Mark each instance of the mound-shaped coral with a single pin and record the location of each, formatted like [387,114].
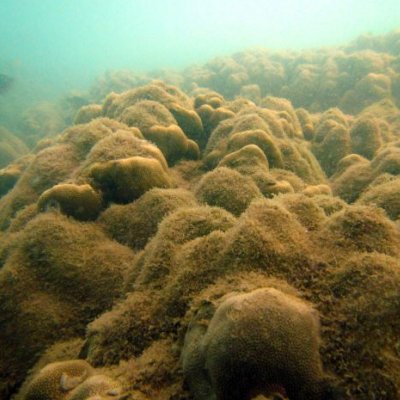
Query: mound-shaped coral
[87,113]
[366,296]
[227,188]
[365,137]
[332,143]
[263,128]
[261,139]
[162,105]
[81,202]
[56,260]
[353,175]
[135,223]
[387,160]
[184,225]
[291,123]
[57,379]
[84,136]
[270,238]
[364,229]
[10,174]
[260,342]
[159,126]
[145,114]
[126,180]
[368,90]
[99,387]
[247,160]
[306,209]
[125,331]
[49,167]
[384,194]
[41,120]
[173,143]
[118,145]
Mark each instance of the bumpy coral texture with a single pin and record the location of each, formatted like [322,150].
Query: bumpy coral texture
[256,343]
[56,379]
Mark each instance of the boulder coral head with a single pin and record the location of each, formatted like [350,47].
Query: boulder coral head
[79,201]
[125,180]
[97,387]
[260,342]
[72,380]
[55,380]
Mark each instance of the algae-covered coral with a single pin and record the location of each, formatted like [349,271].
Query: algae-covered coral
[233,237]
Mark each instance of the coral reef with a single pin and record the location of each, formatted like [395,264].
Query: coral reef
[229,233]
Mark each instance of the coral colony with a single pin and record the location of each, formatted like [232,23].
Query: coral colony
[230,231]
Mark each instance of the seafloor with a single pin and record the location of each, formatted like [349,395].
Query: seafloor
[223,232]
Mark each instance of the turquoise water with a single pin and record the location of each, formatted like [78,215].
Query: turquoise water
[51,46]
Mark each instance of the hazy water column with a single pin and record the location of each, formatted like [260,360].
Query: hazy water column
[56,45]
